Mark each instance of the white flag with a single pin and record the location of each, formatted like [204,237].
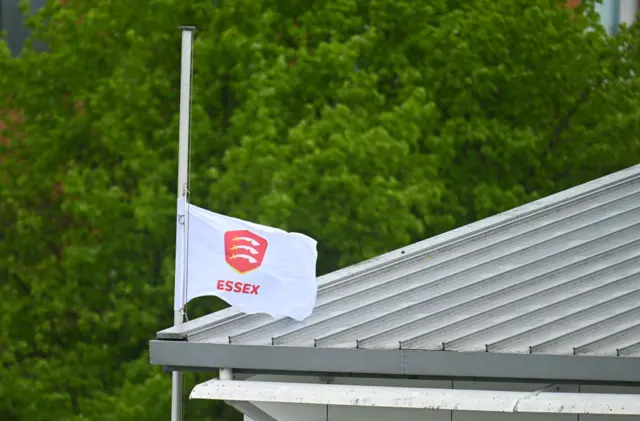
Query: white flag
[254,268]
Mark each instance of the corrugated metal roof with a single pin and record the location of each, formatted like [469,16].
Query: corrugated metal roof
[558,276]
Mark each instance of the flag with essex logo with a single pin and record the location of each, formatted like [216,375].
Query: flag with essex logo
[253,267]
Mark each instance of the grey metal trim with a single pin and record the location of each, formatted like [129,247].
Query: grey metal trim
[480,365]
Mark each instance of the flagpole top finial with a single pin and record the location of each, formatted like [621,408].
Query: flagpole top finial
[187,28]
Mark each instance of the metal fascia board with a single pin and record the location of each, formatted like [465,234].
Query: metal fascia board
[480,365]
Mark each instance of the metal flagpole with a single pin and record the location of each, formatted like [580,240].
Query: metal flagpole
[183,190]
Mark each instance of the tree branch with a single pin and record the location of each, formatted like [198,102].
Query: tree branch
[564,123]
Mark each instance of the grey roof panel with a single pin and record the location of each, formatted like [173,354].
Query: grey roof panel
[557,276]
[632,350]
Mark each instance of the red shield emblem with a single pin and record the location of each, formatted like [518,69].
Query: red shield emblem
[244,250]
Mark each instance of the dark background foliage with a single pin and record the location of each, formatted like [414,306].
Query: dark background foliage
[365,124]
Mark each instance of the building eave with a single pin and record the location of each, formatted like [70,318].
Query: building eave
[186,356]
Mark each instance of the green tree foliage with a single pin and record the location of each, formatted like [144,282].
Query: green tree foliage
[366,124]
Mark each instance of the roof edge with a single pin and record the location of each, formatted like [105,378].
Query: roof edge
[445,364]
[425,246]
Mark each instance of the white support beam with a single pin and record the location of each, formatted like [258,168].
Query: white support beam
[251,411]
[226,374]
[247,408]
[419,398]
